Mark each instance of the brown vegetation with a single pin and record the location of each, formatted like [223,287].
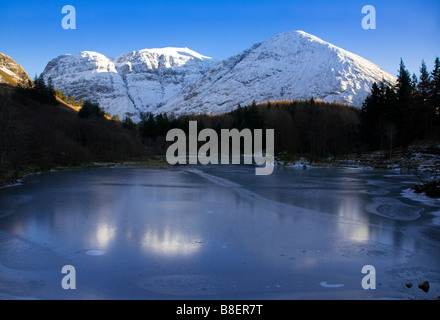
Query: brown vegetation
[314,128]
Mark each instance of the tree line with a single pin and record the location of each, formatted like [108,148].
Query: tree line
[37,132]
[405,113]
[316,128]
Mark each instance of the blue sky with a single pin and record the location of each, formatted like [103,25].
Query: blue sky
[31,32]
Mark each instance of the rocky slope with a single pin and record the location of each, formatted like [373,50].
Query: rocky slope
[11,72]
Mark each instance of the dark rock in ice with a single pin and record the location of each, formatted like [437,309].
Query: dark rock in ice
[424,286]
[409,285]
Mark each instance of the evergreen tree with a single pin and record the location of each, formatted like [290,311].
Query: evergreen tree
[238,118]
[424,110]
[90,109]
[404,87]
[147,126]
[251,116]
[424,83]
[390,107]
[404,121]
[371,113]
[61,95]
[435,96]
[128,123]
[50,85]
[39,82]
[414,82]
[41,92]
[435,83]
[71,100]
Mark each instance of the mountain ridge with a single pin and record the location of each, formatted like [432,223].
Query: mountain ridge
[289,65]
[118,84]
[294,63]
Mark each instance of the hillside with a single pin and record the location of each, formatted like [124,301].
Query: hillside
[40,136]
[11,73]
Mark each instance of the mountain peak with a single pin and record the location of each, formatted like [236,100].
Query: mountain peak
[296,35]
[11,72]
[290,65]
[135,82]
[175,52]
[163,58]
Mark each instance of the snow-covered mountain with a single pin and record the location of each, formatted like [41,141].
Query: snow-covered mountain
[11,72]
[139,81]
[290,65]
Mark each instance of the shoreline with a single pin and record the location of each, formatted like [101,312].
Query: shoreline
[414,160]
[423,165]
[155,162]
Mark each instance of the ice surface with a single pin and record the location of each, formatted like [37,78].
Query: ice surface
[23,254]
[213,232]
[95,252]
[327,285]
[420,197]
[394,209]
[436,220]
[371,249]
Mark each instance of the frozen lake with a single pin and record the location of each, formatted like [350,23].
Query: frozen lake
[217,232]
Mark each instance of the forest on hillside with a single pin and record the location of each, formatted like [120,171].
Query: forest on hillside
[308,127]
[39,132]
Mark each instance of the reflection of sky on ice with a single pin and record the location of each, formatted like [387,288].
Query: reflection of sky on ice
[352,209]
[168,242]
[104,235]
